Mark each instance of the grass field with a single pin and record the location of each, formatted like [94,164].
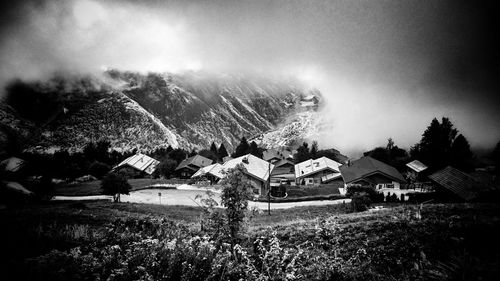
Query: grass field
[127,241]
[94,187]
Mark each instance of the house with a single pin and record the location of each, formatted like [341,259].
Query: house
[257,171]
[211,172]
[369,171]
[284,170]
[309,101]
[138,165]
[311,172]
[191,165]
[274,155]
[453,184]
[271,155]
[12,164]
[416,170]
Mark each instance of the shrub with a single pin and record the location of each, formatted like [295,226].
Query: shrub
[375,196]
[115,184]
[360,202]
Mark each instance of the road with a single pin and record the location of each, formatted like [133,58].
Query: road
[187,197]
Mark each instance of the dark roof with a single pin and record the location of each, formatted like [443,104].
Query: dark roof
[283,162]
[367,166]
[458,182]
[194,162]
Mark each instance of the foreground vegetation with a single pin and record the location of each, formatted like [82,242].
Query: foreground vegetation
[104,241]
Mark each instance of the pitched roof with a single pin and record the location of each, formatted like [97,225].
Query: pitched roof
[458,182]
[214,169]
[140,162]
[283,162]
[255,166]
[198,161]
[271,154]
[366,166]
[12,164]
[416,166]
[310,166]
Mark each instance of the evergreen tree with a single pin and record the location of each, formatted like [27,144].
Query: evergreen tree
[242,148]
[302,154]
[213,148]
[222,152]
[314,150]
[461,156]
[435,146]
[255,150]
[495,155]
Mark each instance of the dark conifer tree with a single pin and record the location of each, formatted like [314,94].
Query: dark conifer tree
[222,152]
[242,148]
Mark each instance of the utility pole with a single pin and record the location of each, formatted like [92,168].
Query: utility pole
[269,189]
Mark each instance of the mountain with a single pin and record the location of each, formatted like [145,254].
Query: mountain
[146,111]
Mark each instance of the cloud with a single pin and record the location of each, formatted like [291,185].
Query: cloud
[386,68]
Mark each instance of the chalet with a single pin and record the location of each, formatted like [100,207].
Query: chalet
[138,166]
[213,173]
[309,101]
[311,172]
[369,171]
[416,170]
[12,164]
[274,155]
[271,155]
[454,185]
[257,171]
[191,165]
[283,171]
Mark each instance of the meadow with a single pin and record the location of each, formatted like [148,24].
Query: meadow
[100,240]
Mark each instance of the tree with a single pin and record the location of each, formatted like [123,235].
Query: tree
[435,146]
[302,154]
[235,195]
[166,168]
[391,154]
[222,152]
[99,169]
[209,154]
[495,154]
[115,184]
[213,148]
[314,150]
[177,154]
[461,156]
[242,148]
[255,150]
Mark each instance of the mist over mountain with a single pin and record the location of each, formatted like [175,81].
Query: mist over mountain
[146,111]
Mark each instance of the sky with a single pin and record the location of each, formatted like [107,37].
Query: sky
[385,68]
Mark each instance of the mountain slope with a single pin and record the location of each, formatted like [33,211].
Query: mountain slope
[187,110]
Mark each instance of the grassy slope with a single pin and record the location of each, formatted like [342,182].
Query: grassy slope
[459,239]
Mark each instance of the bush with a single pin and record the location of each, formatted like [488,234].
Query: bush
[360,202]
[375,196]
[115,184]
